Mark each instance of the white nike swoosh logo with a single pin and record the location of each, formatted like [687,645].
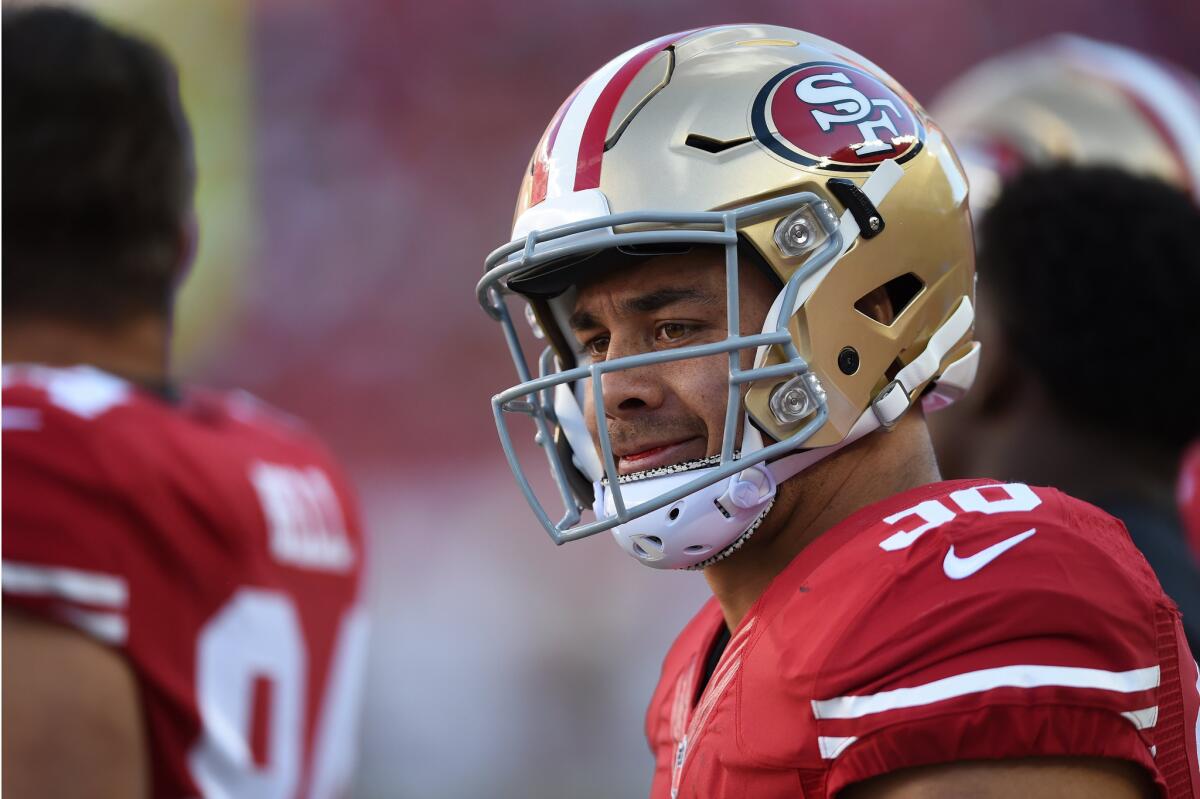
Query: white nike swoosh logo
[957,568]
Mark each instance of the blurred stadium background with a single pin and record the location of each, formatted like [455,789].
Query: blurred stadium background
[357,160]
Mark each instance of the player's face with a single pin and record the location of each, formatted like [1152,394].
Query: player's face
[672,412]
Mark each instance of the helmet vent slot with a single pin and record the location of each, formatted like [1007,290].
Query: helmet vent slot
[711,145]
[648,547]
[885,304]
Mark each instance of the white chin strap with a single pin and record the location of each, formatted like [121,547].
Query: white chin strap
[701,526]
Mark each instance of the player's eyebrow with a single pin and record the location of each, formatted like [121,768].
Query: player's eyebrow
[582,320]
[645,303]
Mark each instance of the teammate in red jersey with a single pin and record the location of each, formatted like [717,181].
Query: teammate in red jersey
[181,570]
[749,253]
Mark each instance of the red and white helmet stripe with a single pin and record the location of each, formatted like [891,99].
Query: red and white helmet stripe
[571,154]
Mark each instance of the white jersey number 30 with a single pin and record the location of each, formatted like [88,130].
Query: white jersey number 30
[934,513]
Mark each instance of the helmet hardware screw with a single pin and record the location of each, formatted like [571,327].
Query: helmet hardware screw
[798,233]
[848,360]
[874,223]
[794,400]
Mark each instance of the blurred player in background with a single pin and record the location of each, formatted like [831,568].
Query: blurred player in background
[1084,175]
[749,252]
[181,569]
[1188,497]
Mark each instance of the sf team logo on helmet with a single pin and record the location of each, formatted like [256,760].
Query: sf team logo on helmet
[834,116]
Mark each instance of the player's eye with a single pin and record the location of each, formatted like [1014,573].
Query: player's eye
[672,331]
[596,347]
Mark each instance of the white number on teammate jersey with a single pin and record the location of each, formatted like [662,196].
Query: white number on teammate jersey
[256,637]
[969,500]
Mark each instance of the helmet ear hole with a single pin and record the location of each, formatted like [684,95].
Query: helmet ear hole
[886,303]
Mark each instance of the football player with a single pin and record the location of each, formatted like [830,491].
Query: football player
[181,569]
[1082,175]
[749,254]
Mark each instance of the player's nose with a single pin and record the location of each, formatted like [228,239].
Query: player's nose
[630,391]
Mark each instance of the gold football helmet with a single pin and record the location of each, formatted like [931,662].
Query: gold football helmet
[773,142]
[1073,99]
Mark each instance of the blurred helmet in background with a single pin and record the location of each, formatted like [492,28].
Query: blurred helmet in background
[1188,496]
[785,149]
[1073,99]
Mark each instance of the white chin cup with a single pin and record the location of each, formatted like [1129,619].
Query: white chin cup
[692,529]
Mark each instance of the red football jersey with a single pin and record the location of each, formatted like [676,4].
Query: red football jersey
[964,620]
[213,543]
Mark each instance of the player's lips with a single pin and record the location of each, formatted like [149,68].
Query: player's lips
[656,455]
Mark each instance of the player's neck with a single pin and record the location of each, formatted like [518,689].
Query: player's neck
[870,470]
[1097,467]
[136,350]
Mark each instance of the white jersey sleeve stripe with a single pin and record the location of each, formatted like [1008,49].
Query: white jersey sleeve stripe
[1143,719]
[110,628]
[74,585]
[832,747]
[973,682]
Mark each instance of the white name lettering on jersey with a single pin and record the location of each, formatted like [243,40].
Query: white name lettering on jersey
[304,519]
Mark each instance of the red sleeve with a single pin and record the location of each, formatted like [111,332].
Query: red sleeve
[1060,644]
[65,527]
